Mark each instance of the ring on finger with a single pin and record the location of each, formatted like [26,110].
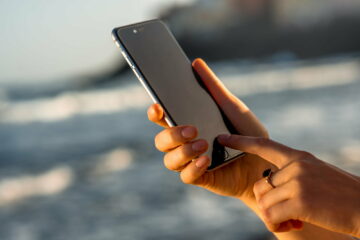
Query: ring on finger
[268,179]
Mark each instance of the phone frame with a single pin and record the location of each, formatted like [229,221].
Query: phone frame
[148,87]
[139,74]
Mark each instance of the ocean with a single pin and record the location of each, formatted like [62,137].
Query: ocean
[82,164]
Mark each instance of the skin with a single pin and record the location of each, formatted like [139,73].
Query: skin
[306,188]
[182,150]
[235,179]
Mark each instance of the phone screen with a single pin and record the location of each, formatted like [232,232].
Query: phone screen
[168,73]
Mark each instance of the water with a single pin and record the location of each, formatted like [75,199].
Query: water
[81,165]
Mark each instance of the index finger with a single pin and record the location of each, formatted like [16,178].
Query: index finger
[156,114]
[274,152]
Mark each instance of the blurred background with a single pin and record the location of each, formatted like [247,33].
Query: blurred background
[76,156]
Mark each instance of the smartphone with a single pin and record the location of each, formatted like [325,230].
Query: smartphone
[166,73]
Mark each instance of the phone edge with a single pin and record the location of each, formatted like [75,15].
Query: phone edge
[138,74]
[148,88]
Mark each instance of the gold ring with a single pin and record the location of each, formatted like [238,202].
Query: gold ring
[268,179]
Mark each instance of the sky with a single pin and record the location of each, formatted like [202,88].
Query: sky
[44,40]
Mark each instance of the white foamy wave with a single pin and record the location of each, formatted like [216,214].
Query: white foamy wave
[134,96]
[19,188]
[114,161]
[298,78]
[351,152]
[74,103]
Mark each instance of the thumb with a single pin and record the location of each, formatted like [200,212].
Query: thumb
[237,112]
[274,152]
[216,88]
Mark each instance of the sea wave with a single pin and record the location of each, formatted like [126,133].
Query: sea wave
[262,79]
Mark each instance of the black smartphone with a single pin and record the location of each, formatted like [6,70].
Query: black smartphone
[168,77]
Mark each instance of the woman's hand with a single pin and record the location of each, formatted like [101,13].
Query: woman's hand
[306,188]
[235,179]
[181,146]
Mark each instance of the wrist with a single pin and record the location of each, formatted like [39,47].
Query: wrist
[355,218]
[356,222]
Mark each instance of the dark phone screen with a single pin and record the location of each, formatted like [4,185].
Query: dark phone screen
[169,73]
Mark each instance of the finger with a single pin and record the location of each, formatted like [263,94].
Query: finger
[274,152]
[176,159]
[156,114]
[285,226]
[195,170]
[171,138]
[277,179]
[275,196]
[297,224]
[279,213]
[238,113]
[282,227]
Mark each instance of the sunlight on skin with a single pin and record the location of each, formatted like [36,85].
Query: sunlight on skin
[52,182]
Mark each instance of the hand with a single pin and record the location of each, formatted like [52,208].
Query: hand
[235,179]
[306,188]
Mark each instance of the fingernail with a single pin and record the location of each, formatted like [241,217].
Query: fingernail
[199,146]
[188,132]
[223,137]
[202,162]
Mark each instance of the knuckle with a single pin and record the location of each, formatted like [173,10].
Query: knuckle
[265,133]
[262,204]
[176,158]
[175,134]
[299,167]
[268,216]
[186,178]
[260,141]
[166,138]
[271,227]
[257,187]
[303,155]
[157,142]
[169,163]
[150,113]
